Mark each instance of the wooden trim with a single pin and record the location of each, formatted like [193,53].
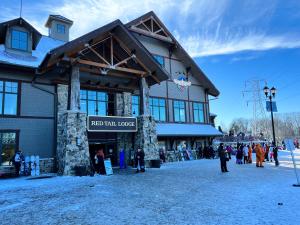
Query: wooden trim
[97,72]
[101,65]
[19,98]
[149,34]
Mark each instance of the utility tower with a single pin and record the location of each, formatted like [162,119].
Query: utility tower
[253,93]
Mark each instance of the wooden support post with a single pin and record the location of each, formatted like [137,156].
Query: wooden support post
[144,97]
[74,89]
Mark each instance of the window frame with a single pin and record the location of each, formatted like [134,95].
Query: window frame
[11,40]
[18,94]
[163,58]
[58,29]
[97,101]
[159,107]
[138,105]
[17,146]
[193,109]
[185,111]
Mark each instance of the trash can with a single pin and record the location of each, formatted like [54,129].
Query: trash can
[155,163]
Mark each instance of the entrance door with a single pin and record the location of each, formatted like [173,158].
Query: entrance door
[109,149]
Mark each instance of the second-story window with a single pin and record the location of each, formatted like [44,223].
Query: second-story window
[61,28]
[93,102]
[19,40]
[179,111]
[160,59]
[198,109]
[135,105]
[158,108]
[8,98]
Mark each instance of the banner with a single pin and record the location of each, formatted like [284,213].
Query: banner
[111,124]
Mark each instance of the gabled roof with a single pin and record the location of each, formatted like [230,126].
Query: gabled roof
[58,17]
[117,28]
[183,55]
[36,36]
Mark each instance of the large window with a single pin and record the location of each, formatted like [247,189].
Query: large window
[94,102]
[135,105]
[158,108]
[60,28]
[198,109]
[8,97]
[8,146]
[19,40]
[160,59]
[179,111]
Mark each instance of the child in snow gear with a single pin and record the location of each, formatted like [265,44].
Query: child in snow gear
[139,160]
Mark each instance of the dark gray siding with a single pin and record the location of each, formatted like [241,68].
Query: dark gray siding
[36,135]
[35,102]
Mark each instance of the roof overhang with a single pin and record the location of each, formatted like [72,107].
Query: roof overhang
[116,28]
[186,130]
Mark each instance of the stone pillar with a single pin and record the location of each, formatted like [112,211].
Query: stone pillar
[146,137]
[123,108]
[72,142]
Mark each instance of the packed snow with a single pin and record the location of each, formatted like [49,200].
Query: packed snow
[190,192]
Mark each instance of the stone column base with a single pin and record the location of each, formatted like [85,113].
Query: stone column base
[72,143]
[146,138]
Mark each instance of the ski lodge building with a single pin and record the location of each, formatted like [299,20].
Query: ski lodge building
[119,87]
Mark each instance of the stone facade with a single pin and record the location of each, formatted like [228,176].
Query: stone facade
[47,165]
[146,137]
[72,142]
[123,108]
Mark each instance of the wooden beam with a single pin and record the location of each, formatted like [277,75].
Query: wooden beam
[117,68]
[111,51]
[109,73]
[149,34]
[100,56]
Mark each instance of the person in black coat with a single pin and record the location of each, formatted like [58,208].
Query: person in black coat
[223,158]
[275,155]
[139,160]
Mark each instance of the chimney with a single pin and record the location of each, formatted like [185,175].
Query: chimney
[59,27]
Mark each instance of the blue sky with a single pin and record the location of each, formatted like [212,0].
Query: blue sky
[232,40]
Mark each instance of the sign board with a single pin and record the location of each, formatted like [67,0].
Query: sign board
[289,144]
[274,106]
[108,167]
[111,124]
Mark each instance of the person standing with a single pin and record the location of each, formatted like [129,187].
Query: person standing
[99,162]
[245,151]
[249,154]
[239,154]
[267,153]
[139,160]
[275,155]
[17,161]
[259,155]
[223,158]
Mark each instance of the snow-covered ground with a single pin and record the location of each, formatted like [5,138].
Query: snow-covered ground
[193,192]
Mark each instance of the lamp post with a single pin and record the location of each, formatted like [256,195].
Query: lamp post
[270,94]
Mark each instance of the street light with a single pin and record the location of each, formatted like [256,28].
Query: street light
[270,93]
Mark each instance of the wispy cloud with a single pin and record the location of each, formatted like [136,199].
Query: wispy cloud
[205,28]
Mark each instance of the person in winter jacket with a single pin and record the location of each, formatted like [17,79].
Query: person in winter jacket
[249,154]
[267,153]
[99,162]
[139,160]
[259,155]
[223,158]
[245,151]
[239,155]
[275,154]
[17,161]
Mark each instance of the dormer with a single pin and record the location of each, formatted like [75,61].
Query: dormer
[19,36]
[59,27]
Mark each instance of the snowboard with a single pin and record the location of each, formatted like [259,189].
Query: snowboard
[27,165]
[32,165]
[37,165]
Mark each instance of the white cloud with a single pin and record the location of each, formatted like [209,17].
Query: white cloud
[205,28]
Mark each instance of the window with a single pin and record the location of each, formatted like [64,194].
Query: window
[8,97]
[198,109]
[135,105]
[8,146]
[158,108]
[179,111]
[19,40]
[60,28]
[160,59]
[94,102]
